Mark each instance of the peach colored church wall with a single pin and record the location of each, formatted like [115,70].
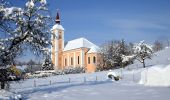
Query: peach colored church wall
[91,66]
[77,52]
[71,54]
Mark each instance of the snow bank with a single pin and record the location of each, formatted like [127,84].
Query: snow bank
[6,95]
[156,76]
[40,74]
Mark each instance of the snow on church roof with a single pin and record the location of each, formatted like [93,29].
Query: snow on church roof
[94,49]
[57,26]
[79,43]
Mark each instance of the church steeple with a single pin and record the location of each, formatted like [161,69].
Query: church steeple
[57,20]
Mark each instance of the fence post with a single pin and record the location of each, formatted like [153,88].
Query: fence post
[96,79]
[121,73]
[69,80]
[34,83]
[146,75]
[84,79]
[50,82]
[133,76]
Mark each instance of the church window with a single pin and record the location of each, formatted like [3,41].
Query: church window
[71,60]
[94,59]
[88,60]
[78,60]
[65,62]
[60,37]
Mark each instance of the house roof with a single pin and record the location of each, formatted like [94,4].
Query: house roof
[79,43]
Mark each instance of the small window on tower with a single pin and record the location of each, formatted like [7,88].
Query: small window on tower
[60,37]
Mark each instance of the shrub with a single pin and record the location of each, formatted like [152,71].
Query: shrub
[113,75]
[74,70]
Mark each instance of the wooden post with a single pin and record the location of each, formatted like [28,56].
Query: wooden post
[69,80]
[84,79]
[34,83]
[96,79]
[121,72]
[133,76]
[50,82]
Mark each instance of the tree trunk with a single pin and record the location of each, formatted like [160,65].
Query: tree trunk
[2,85]
[143,63]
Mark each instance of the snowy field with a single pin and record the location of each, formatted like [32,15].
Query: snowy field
[96,86]
[90,89]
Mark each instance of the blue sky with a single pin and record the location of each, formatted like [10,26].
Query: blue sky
[104,20]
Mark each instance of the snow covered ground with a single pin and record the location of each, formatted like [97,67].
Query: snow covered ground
[158,75]
[96,86]
[89,89]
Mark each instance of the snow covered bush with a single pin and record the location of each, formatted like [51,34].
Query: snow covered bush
[41,74]
[143,51]
[74,70]
[113,55]
[23,28]
[113,75]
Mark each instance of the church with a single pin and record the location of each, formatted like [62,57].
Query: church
[79,52]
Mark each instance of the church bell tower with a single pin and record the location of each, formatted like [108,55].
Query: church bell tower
[57,39]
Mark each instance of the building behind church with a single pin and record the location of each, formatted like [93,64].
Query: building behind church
[76,53]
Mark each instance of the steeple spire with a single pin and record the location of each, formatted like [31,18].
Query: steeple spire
[57,20]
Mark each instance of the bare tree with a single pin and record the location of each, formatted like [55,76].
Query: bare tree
[142,52]
[112,54]
[157,46]
[23,28]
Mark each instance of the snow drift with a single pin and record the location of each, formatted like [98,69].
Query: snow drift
[6,95]
[158,75]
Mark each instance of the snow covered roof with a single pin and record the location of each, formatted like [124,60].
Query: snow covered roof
[57,26]
[79,43]
[94,49]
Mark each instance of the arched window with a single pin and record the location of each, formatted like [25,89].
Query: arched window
[88,60]
[71,60]
[94,59]
[65,62]
[78,60]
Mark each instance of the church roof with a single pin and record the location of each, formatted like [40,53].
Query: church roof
[94,49]
[79,43]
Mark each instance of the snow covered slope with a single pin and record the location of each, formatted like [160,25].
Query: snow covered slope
[160,58]
[88,87]
[158,75]
[96,86]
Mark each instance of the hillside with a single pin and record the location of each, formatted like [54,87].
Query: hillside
[96,86]
[159,58]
